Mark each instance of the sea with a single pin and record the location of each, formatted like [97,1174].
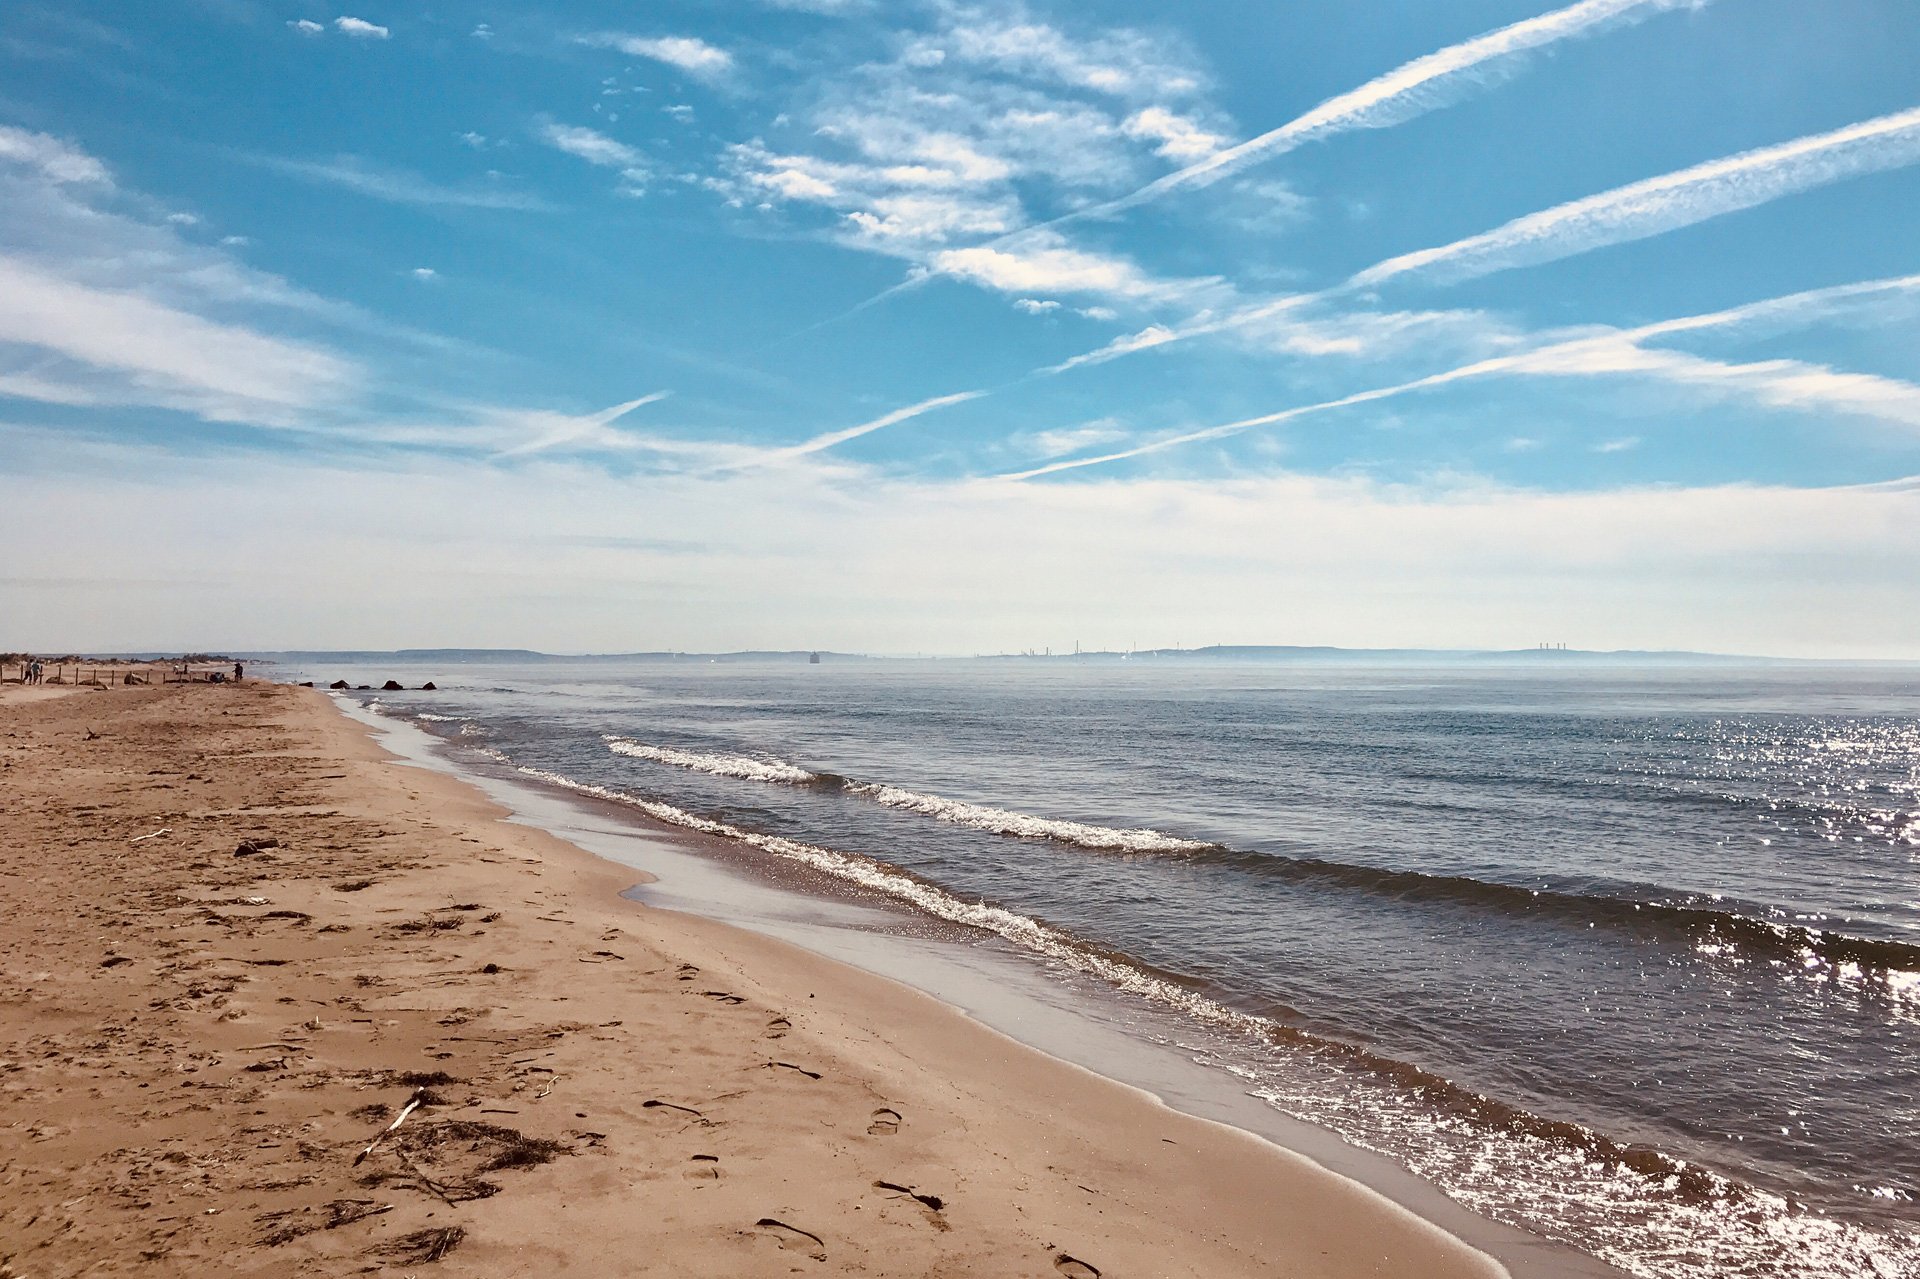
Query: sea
[1627,959]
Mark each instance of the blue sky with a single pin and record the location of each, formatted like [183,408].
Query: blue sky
[954,327]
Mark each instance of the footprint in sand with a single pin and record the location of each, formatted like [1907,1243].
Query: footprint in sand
[669,1109]
[778,1027]
[884,1123]
[702,1168]
[787,1065]
[1074,1268]
[686,972]
[723,997]
[930,1204]
[794,1238]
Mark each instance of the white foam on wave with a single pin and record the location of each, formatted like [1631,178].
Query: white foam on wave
[1603,1192]
[878,876]
[744,767]
[1003,821]
[432,718]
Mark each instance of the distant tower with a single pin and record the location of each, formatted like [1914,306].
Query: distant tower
[813,659]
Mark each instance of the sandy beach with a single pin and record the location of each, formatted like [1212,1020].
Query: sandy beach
[242,940]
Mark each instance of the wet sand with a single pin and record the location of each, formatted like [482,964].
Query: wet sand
[202,1030]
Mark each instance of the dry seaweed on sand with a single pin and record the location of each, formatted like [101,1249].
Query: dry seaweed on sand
[492,1146]
[289,1224]
[423,1246]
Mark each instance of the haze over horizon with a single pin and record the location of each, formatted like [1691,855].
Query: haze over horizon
[961,327]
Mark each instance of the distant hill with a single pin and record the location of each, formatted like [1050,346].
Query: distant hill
[1242,654]
[458,656]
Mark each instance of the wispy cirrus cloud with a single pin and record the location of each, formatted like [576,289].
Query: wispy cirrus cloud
[119,347]
[598,149]
[1784,384]
[398,186]
[689,53]
[820,443]
[550,430]
[1666,203]
[104,303]
[1636,211]
[1412,89]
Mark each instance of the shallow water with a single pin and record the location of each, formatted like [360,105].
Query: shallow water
[1630,960]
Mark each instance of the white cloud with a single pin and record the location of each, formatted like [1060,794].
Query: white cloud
[899,209]
[916,219]
[1071,439]
[1119,62]
[1047,265]
[483,32]
[1035,306]
[115,346]
[964,130]
[1619,445]
[424,273]
[575,563]
[1668,202]
[307,27]
[598,149]
[360,29]
[51,158]
[694,56]
[1180,138]
[593,147]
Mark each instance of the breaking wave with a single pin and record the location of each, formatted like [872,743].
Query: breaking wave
[1450,1132]
[1705,924]
[997,821]
[1002,821]
[745,767]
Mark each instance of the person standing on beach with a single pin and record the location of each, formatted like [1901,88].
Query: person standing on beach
[237,672]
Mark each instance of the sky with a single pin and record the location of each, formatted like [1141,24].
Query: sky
[932,326]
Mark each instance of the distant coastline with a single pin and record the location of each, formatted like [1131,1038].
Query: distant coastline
[1241,654]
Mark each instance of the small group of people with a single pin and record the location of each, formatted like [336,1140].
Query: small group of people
[31,671]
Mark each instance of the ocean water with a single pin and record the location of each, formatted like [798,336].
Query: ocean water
[1628,959]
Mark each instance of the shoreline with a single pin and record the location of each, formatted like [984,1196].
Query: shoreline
[846,1123]
[1067,1017]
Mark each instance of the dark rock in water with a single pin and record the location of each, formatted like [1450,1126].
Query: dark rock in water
[306,683]
[392,686]
[364,688]
[429,687]
[339,683]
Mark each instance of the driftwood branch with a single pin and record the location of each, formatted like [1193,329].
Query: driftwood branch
[413,1103]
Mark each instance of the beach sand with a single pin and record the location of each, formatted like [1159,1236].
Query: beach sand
[240,938]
